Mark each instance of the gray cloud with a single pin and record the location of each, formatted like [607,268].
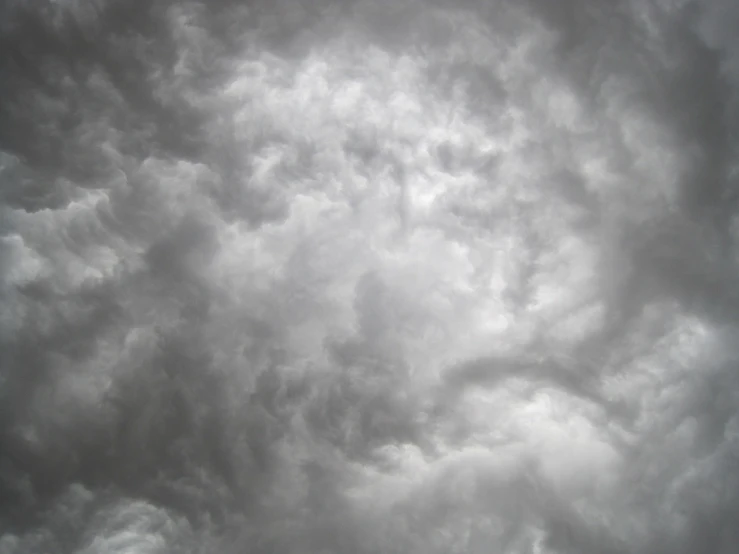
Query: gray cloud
[370,277]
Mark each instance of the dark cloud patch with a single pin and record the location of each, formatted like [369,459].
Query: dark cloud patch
[690,95]
[90,74]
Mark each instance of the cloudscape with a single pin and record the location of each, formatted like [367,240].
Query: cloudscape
[369,276]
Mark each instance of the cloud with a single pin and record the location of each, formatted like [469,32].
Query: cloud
[368,277]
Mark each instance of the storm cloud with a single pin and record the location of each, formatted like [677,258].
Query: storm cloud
[369,276]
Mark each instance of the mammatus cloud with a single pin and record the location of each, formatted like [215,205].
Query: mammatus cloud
[368,277]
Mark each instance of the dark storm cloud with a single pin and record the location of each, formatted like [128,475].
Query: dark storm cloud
[368,276]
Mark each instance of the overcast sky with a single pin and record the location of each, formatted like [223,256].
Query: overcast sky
[370,276]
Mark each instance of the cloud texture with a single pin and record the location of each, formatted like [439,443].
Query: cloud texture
[369,276]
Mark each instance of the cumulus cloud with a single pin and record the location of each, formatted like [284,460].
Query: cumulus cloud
[364,276]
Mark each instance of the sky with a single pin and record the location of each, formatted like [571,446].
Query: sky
[369,276]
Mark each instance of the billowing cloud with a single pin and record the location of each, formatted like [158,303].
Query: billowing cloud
[368,277]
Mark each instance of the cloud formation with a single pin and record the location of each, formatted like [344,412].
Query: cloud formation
[381,277]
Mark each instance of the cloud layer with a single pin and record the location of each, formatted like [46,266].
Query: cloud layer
[368,277]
